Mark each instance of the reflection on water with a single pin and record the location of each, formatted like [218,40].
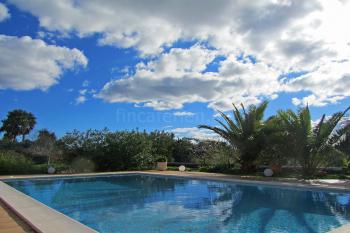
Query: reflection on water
[142,203]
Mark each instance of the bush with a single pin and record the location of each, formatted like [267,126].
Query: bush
[125,150]
[218,168]
[210,153]
[183,150]
[162,144]
[109,151]
[15,163]
[18,147]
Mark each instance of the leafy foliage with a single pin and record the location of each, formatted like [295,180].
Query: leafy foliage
[211,153]
[162,144]
[183,150]
[288,138]
[313,146]
[244,133]
[18,122]
[45,145]
[121,150]
[15,163]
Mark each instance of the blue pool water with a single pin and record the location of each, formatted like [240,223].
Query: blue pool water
[145,203]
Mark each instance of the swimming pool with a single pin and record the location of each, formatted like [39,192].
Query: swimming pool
[149,203]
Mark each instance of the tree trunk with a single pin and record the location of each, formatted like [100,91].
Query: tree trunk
[23,137]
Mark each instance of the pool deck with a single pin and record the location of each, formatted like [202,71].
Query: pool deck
[10,223]
[42,218]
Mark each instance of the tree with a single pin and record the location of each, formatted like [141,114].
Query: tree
[211,152]
[162,144]
[277,148]
[45,145]
[313,146]
[244,133]
[18,122]
[44,134]
[183,150]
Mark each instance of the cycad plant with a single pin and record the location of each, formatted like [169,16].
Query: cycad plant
[244,133]
[313,146]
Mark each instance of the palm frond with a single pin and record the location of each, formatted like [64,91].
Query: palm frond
[238,117]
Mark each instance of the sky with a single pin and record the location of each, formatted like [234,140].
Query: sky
[170,65]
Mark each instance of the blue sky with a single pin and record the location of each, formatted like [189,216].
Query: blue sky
[161,66]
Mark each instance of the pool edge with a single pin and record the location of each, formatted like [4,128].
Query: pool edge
[230,178]
[200,175]
[37,215]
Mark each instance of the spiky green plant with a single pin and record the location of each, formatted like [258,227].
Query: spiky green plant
[244,133]
[313,146]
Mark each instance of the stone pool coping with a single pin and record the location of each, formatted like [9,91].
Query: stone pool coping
[38,216]
[45,219]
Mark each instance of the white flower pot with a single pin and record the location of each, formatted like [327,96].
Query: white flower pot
[182,168]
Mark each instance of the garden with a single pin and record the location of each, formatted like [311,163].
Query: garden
[289,143]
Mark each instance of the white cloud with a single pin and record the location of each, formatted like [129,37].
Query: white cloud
[184,114]
[282,35]
[80,100]
[4,12]
[194,132]
[342,123]
[84,94]
[170,82]
[221,22]
[328,85]
[27,63]
[83,91]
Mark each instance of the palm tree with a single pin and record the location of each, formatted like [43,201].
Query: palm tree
[18,122]
[313,146]
[244,133]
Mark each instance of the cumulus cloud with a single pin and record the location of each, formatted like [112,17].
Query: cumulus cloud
[328,85]
[4,12]
[282,35]
[229,25]
[170,82]
[27,64]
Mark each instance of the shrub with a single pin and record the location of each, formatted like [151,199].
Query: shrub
[126,150]
[209,153]
[183,150]
[161,159]
[162,144]
[107,151]
[15,163]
